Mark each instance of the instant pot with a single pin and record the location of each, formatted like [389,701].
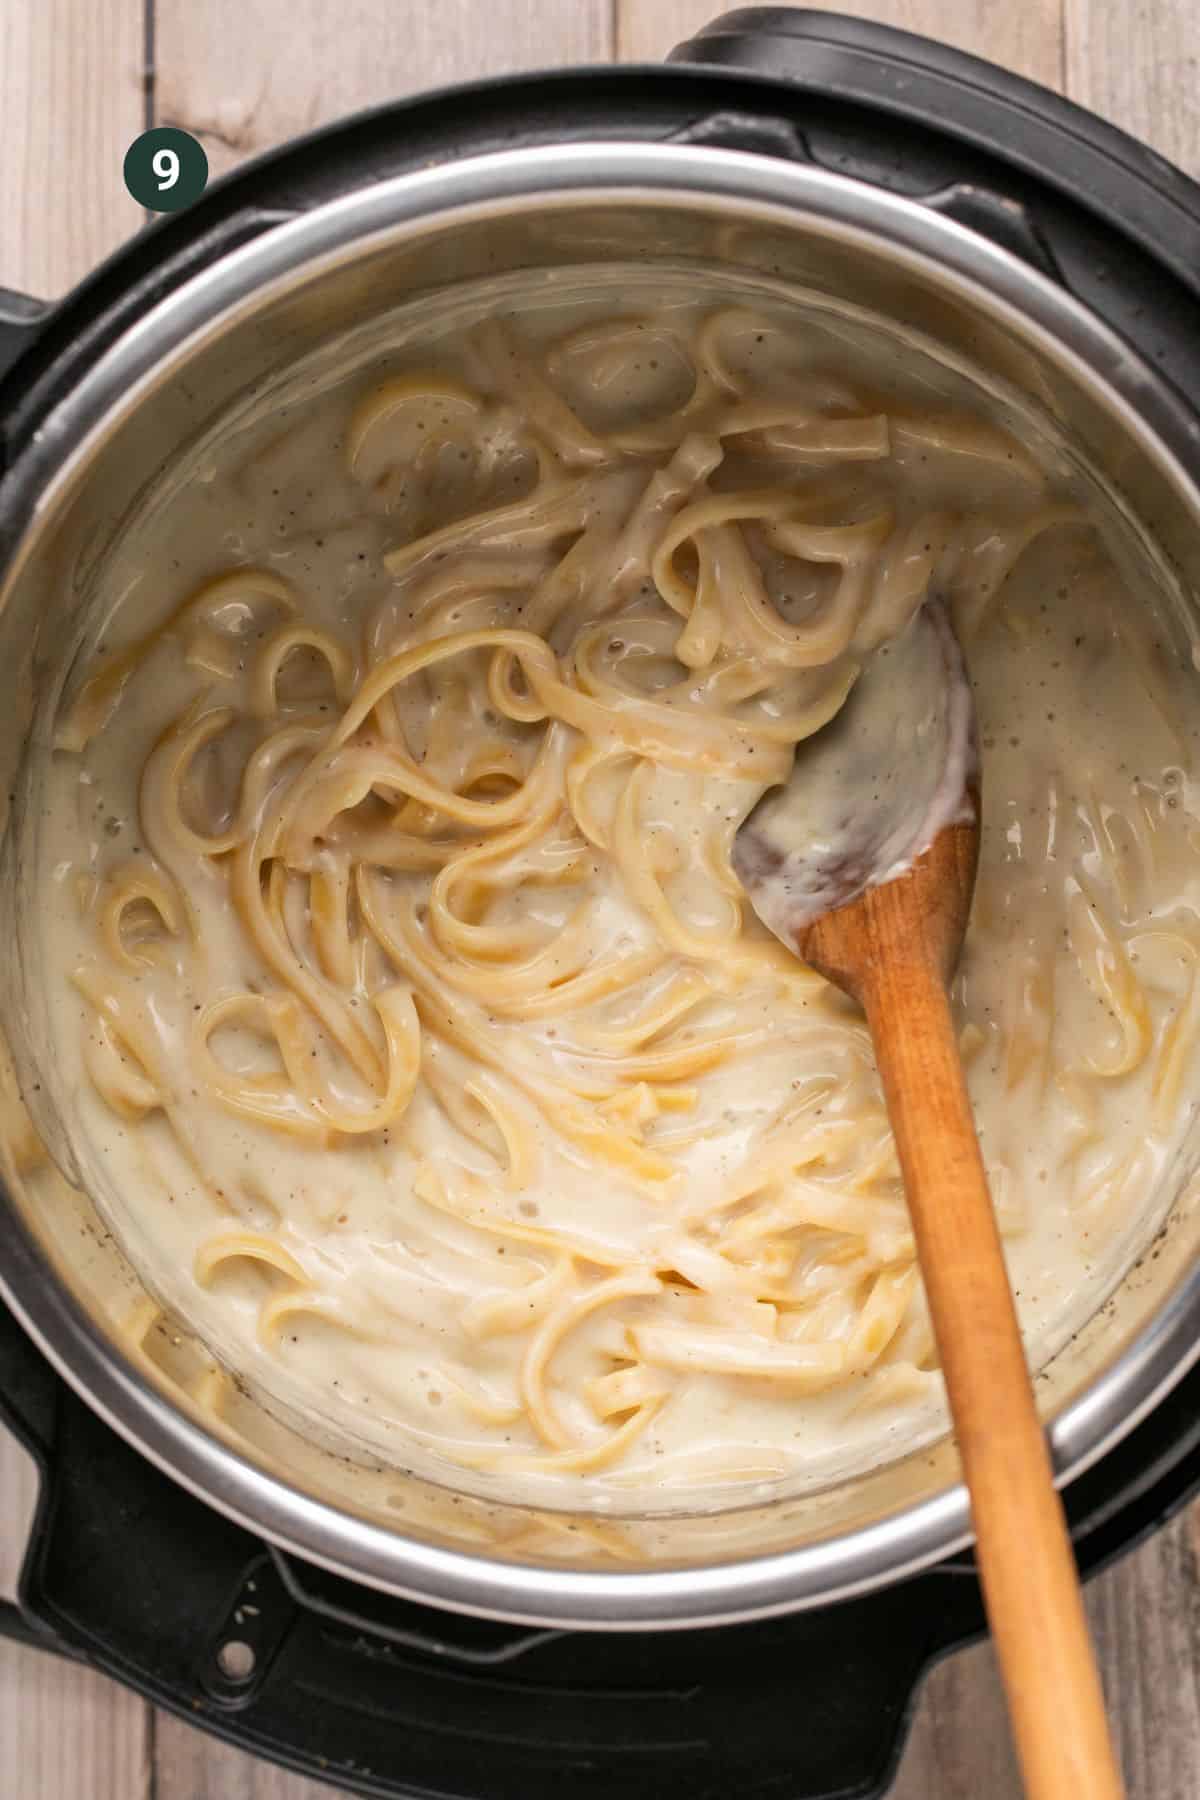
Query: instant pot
[360,1623]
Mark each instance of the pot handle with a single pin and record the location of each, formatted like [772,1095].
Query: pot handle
[29,1388]
[21,319]
[940,90]
[29,1391]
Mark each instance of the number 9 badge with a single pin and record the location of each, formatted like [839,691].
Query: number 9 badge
[166,169]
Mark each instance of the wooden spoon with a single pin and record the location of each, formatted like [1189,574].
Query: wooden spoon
[864,864]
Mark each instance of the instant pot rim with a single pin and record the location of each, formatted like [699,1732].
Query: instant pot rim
[747,187]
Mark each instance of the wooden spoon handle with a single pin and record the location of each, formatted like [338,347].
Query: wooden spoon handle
[1026,1563]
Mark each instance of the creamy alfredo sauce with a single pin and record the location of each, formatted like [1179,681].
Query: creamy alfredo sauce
[406,1017]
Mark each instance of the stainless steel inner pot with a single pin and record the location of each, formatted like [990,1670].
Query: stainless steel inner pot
[239,324]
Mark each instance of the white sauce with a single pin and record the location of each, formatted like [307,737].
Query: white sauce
[1077,991]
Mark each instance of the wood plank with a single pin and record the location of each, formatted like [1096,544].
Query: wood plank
[18,1495]
[1144,1613]
[67,1733]
[1143,1616]
[1139,65]
[960,1737]
[1026,36]
[63,206]
[189,1765]
[245,77]
[64,131]
[64,1732]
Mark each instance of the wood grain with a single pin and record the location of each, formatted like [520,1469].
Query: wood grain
[1138,64]
[65,1733]
[1145,1616]
[251,72]
[189,1765]
[242,79]
[960,1746]
[73,99]
[18,1496]
[1135,63]
[63,207]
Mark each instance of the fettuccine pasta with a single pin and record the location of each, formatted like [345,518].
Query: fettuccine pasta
[419,1032]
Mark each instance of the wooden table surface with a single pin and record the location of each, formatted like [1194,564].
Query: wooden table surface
[78,80]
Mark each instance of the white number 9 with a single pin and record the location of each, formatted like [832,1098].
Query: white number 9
[165,164]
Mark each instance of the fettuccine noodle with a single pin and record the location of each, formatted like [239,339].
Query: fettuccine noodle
[420,1016]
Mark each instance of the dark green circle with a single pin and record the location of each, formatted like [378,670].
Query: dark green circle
[190,169]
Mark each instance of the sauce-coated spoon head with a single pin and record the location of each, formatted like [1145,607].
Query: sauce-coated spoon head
[885,794]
